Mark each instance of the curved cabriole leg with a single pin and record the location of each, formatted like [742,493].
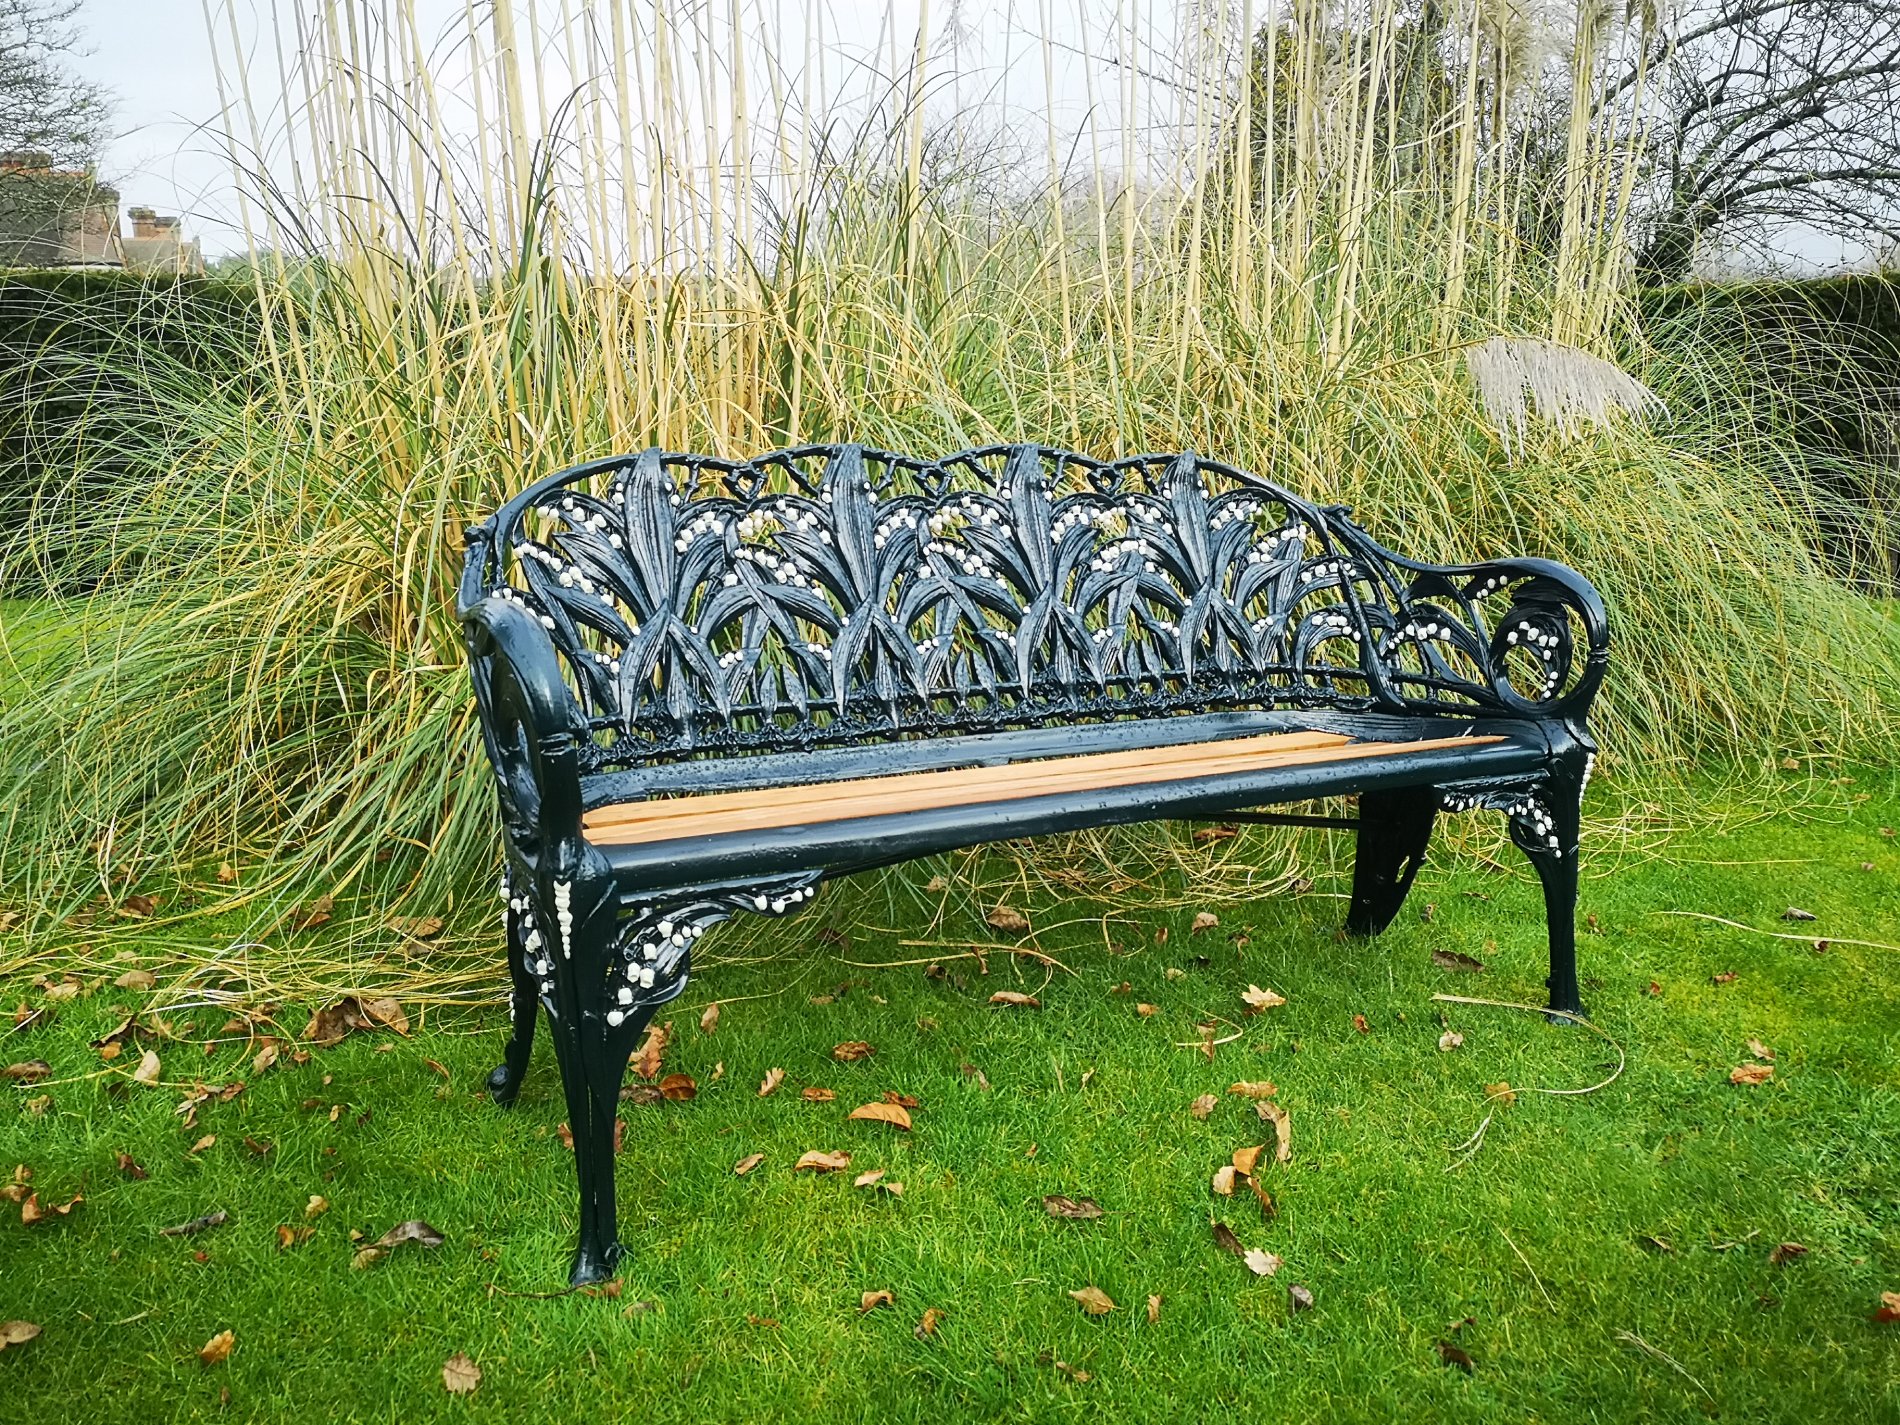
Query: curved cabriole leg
[525,1003]
[1394,827]
[603,970]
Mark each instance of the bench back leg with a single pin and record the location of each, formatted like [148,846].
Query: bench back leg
[524,1002]
[1394,827]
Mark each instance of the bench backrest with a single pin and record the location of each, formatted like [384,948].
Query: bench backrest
[833,594]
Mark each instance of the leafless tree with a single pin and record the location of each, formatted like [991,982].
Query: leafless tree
[44,107]
[1761,114]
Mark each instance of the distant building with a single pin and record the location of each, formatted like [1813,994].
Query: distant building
[64,218]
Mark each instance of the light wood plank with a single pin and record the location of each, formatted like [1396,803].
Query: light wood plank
[727,812]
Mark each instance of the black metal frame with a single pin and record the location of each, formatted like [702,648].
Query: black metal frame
[659,624]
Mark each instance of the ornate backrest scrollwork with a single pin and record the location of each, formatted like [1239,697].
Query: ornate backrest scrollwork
[835,593]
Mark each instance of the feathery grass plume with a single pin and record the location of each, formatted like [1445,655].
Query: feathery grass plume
[1567,387]
[557,231]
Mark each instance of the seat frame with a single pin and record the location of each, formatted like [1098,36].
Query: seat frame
[662,625]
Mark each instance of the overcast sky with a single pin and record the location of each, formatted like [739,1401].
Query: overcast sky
[155,58]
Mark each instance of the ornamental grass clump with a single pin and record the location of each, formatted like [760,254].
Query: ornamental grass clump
[483,255]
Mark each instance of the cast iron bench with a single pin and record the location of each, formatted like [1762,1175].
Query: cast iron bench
[707,686]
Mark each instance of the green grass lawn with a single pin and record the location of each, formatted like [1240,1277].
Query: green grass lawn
[1603,1256]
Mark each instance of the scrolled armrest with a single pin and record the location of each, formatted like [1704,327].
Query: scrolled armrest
[531,725]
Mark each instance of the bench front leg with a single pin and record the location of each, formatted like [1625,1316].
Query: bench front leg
[604,965]
[524,1002]
[1546,814]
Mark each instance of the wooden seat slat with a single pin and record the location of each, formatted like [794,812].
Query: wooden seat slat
[726,812]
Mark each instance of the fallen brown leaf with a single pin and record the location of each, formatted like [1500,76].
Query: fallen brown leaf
[1359,1023]
[1146,1010]
[1255,1089]
[203,1143]
[317,1206]
[421,1233]
[1016,997]
[821,1162]
[1223,1180]
[1203,1105]
[218,1348]
[709,1021]
[1079,1209]
[1246,1158]
[1751,1074]
[1225,1239]
[1267,1210]
[814,1094]
[138,907]
[197,1225]
[1261,1263]
[288,1237]
[16,1333]
[747,1164]
[136,980]
[870,1178]
[29,1071]
[1008,920]
[1257,999]
[1794,912]
[871,1300]
[1888,1311]
[148,1070]
[1455,960]
[1761,1051]
[851,1051]
[1094,1300]
[773,1078]
[1455,1356]
[313,914]
[652,1051]
[460,1375]
[1724,977]
[678,1088]
[1785,1252]
[1451,1039]
[1203,920]
[128,1165]
[420,927]
[1154,1311]
[1501,1093]
[892,1113]
[927,1327]
[1282,1122]
[1298,1298]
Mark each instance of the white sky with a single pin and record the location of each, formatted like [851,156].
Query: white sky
[154,56]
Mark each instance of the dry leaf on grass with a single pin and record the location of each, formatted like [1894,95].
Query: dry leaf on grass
[288,1237]
[196,1225]
[16,1333]
[419,927]
[1223,1182]
[129,1168]
[1751,1074]
[1016,997]
[1501,1093]
[747,1164]
[1282,1122]
[136,980]
[1154,1311]
[1225,1239]
[814,1094]
[148,1070]
[1080,1209]
[1246,1158]
[868,1179]
[1257,999]
[1794,912]
[1786,1252]
[927,1327]
[29,1071]
[1299,1298]
[312,914]
[1359,1023]
[1761,1051]
[769,1084]
[1094,1300]
[138,907]
[349,1015]
[1147,1010]
[1886,1314]
[651,1054]
[1451,1039]
[317,1206]
[203,1143]
[871,1300]
[820,1162]
[891,1113]
[1255,1089]
[1454,960]
[709,1021]
[1203,920]
[678,1088]
[460,1375]
[1008,920]
[1455,1356]
[218,1348]
[1261,1263]
[851,1051]
[1203,1105]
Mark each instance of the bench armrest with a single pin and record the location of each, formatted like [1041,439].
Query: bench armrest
[531,724]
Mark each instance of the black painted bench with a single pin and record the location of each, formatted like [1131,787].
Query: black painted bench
[708,686]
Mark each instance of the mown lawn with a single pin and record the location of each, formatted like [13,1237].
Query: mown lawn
[1603,1256]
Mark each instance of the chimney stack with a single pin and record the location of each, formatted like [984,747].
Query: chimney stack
[145,223]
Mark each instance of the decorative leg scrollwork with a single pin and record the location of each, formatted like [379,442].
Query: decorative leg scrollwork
[1545,815]
[602,966]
